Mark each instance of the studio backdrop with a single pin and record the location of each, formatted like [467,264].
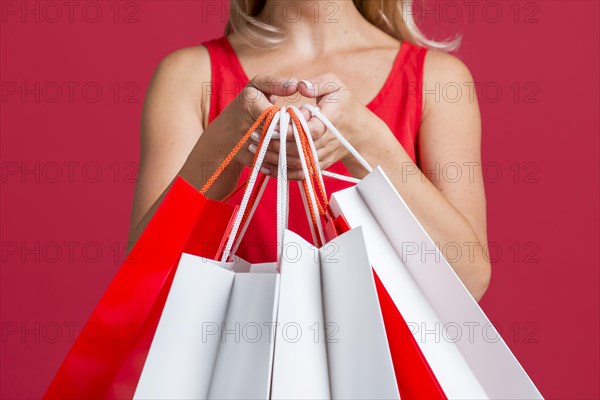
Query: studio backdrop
[73,78]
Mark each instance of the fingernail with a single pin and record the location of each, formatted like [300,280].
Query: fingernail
[290,82]
[308,84]
[265,170]
[275,135]
[255,136]
[252,148]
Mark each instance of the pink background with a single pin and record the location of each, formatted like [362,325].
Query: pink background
[72,92]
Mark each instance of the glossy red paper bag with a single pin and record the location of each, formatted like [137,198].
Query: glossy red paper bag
[106,360]
[110,365]
[414,376]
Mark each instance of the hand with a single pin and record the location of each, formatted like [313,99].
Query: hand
[239,115]
[352,119]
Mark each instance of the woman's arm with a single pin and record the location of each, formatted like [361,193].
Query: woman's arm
[447,193]
[452,211]
[171,126]
[174,140]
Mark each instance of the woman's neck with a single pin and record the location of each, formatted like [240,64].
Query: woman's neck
[316,27]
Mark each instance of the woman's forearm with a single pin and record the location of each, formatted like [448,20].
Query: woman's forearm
[208,153]
[448,228]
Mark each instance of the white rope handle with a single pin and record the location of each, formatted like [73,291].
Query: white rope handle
[313,149]
[282,183]
[250,187]
[250,215]
[311,191]
[340,177]
[317,113]
[282,192]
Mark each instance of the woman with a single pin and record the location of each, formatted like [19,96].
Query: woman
[372,73]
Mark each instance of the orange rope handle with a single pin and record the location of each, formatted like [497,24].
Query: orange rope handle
[265,116]
[253,197]
[261,178]
[313,176]
[313,215]
[257,188]
[314,166]
[322,202]
[245,183]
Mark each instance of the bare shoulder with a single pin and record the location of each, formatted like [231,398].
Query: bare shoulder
[185,64]
[447,80]
[181,77]
[440,66]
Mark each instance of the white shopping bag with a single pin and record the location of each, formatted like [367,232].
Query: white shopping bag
[358,357]
[316,328]
[345,354]
[312,329]
[471,362]
[470,359]
[206,342]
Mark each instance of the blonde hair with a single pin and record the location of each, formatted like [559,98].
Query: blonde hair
[395,17]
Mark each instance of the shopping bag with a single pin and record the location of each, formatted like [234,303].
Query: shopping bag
[315,328]
[349,300]
[182,356]
[135,297]
[101,363]
[307,326]
[443,345]
[344,354]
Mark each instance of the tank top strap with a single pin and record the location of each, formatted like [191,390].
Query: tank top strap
[401,105]
[413,79]
[227,75]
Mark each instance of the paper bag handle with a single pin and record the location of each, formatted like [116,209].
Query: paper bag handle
[265,116]
[248,193]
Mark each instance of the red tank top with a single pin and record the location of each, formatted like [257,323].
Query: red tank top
[398,104]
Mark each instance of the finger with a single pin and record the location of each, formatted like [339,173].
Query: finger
[320,86]
[324,157]
[294,163]
[270,156]
[269,169]
[290,146]
[323,142]
[274,85]
[292,149]
[260,94]
[295,174]
[256,135]
[317,128]
[306,113]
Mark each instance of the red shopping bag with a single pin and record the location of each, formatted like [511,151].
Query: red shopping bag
[415,378]
[107,358]
[126,317]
